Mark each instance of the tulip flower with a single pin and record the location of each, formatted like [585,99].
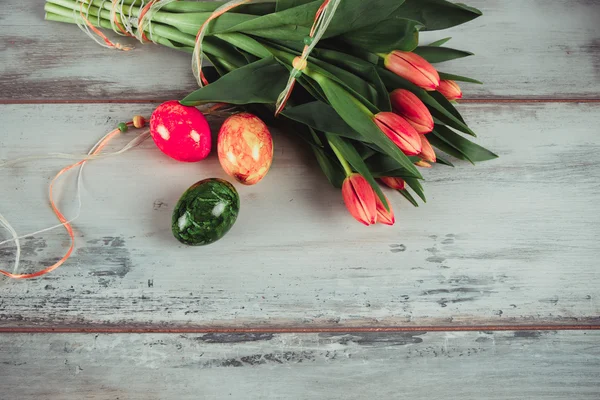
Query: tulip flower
[360,199]
[423,164]
[399,131]
[413,68]
[407,104]
[427,152]
[384,216]
[394,183]
[450,90]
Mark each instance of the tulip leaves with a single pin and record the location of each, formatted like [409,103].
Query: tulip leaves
[437,14]
[263,81]
[453,77]
[463,148]
[436,54]
[386,36]
[322,117]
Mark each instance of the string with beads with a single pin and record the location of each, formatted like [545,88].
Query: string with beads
[95,153]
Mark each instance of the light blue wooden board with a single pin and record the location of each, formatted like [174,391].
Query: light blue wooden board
[514,240]
[526,49]
[419,365]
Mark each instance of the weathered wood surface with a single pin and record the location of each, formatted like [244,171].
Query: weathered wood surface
[532,49]
[511,241]
[420,365]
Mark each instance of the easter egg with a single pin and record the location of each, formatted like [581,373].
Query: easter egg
[245,148]
[205,212]
[181,132]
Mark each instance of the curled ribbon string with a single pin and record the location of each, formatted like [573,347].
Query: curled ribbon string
[323,18]
[145,16]
[198,55]
[114,21]
[89,29]
[93,154]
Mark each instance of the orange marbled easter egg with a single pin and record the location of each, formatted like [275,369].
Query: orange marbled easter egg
[245,148]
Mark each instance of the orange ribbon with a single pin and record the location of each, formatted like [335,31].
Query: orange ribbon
[60,215]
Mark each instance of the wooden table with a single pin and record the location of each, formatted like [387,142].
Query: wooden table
[491,290]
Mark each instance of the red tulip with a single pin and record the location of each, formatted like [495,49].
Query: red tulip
[413,68]
[427,152]
[450,90]
[400,132]
[394,183]
[408,105]
[359,197]
[384,216]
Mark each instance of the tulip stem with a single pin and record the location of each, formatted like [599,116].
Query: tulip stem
[343,161]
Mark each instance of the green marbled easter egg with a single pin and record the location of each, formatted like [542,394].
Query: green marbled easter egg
[205,212]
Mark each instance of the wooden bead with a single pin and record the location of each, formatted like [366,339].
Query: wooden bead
[139,121]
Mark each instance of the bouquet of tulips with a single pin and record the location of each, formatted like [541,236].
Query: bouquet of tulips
[367,99]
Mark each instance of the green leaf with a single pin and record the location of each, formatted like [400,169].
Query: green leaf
[415,185]
[386,36]
[409,197]
[359,88]
[443,161]
[359,118]
[311,87]
[331,167]
[382,165]
[246,43]
[296,21]
[364,150]
[442,144]
[353,157]
[322,117]
[435,54]
[452,77]
[361,68]
[353,15]
[283,5]
[473,152]
[218,66]
[437,14]
[259,82]
[356,85]
[439,42]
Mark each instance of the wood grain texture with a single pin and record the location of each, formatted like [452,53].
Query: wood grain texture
[511,241]
[419,365]
[527,49]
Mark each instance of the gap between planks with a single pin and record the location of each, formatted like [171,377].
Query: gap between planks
[295,330]
[158,101]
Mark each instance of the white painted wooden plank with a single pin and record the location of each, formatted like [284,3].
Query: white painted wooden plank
[533,48]
[501,365]
[514,240]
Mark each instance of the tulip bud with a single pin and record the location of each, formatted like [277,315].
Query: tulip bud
[407,104]
[394,183]
[427,152]
[423,164]
[450,90]
[413,68]
[359,197]
[384,216]
[400,132]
